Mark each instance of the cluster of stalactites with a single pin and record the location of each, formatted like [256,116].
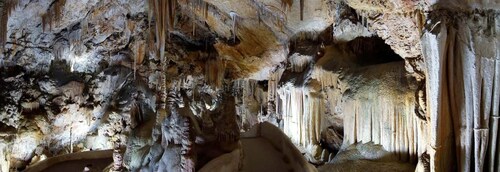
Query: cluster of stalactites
[249,100]
[53,14]
[275,14]
[164,14]
[299,62]
[418,15]
[387,121]
[463,90]
[326,78]
[302,113]
[6,8]
[200,6]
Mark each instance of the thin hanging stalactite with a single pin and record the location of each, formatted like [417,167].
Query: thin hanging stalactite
[234,18]
[286,4]
[205,11]
[6,8]
[301,10]
[193,18]
[139,57]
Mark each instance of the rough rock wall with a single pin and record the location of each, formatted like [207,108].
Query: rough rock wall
[58,94]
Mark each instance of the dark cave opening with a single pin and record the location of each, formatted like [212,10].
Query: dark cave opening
[372,51]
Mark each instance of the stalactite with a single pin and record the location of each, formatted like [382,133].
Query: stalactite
[357,16]
[150,44]
[275,14]
[6,7]
[326,78]
[139,56]
[164,14]
[462,92]
[199,6]
[385,121]
[272,91]
[194,28]
[214,73]
[385,118]
[202,6]
[299,62]
[286,4]
[302,9]
[363,23]
[234,19]
[493,155]
[302,112]
[259,16]
[52,15]
[205,13]
[193,17]
[419,20]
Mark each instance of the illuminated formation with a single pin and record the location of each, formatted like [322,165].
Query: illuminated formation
[254,85]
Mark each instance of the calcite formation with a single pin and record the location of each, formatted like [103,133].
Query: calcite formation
[221,85]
